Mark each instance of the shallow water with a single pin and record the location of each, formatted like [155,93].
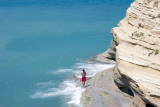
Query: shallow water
[43,43]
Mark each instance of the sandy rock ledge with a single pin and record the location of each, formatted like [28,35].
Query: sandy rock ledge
[101,91]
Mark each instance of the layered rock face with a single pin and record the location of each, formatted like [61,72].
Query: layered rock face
[136,49]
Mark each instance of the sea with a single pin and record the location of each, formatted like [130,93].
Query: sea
[43,43]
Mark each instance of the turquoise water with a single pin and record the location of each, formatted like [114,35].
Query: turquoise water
[42,43]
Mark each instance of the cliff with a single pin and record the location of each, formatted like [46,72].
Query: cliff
[136,49]
[135,79]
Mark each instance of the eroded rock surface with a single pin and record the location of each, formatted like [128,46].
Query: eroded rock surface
[137,50]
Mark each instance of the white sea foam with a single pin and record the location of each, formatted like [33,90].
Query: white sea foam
[68,88]
[91,68]
[61,70]
[45,84]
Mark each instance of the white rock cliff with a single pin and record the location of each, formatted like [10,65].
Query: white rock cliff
[136,49]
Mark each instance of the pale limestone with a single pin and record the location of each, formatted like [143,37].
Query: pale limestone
[137,66]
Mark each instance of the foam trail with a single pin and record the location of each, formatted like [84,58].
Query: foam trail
[69,90]
[59,71]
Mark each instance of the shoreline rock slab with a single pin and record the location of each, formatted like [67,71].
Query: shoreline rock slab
[101,91]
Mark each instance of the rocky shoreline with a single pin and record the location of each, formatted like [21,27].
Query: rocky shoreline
[103,91]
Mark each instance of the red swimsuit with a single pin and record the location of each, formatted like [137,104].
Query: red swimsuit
[83,79]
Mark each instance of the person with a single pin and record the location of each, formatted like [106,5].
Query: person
[83,73]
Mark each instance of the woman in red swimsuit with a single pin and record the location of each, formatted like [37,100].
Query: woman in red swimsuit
[83,73]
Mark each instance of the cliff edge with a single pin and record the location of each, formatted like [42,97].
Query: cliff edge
[136,49]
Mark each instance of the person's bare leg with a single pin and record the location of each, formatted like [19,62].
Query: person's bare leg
[83,84]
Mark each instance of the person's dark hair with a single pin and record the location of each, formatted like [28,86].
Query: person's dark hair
[84,71]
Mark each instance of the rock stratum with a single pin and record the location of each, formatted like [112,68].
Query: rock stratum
[136,49]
